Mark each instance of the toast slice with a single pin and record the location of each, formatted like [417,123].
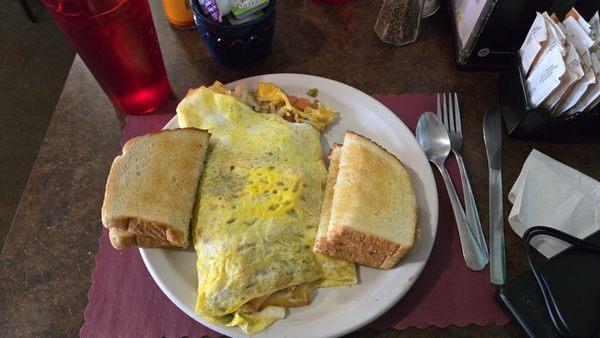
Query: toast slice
[373,213]
[151,188]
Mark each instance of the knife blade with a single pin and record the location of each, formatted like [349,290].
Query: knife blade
[492,136]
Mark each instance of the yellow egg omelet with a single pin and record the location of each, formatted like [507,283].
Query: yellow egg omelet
[257,213]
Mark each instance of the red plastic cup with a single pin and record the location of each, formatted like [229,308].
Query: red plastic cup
[117,41]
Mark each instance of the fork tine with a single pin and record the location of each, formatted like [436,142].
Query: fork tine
[457,114]
[439,108]
[444,111]
[450,114]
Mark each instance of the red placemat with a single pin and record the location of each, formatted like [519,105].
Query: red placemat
[124,300]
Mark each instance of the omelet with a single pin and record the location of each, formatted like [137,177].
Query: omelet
[256,216]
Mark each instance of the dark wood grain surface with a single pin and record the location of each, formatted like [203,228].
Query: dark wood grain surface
[26,51]
[46,262]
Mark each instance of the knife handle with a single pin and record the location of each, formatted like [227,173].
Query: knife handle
[497,258]
[474,257]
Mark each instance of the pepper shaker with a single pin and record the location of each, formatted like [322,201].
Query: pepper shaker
[399,21]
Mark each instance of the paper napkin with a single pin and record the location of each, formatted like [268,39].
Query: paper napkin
[553,194]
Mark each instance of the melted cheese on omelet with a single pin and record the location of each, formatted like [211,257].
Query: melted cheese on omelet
[256,217]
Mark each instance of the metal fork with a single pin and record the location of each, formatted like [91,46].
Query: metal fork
[449,113]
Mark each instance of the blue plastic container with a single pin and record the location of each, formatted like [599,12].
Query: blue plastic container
[237,45]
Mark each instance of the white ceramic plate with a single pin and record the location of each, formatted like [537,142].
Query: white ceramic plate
[340,310]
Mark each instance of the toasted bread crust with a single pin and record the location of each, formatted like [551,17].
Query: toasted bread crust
[359,247]
[121,239]
[352,245]
[322,245]
[133,140]
[334,161]
[160,231]
[150,230]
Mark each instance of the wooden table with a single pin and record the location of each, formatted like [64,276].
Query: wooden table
[47,259]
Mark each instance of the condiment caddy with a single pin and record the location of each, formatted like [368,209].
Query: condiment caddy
[525,122]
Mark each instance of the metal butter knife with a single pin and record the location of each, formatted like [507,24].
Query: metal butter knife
[492,135]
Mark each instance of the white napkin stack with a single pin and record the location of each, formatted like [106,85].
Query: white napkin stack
[555,195]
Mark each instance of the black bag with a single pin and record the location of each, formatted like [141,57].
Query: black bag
[559,296]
